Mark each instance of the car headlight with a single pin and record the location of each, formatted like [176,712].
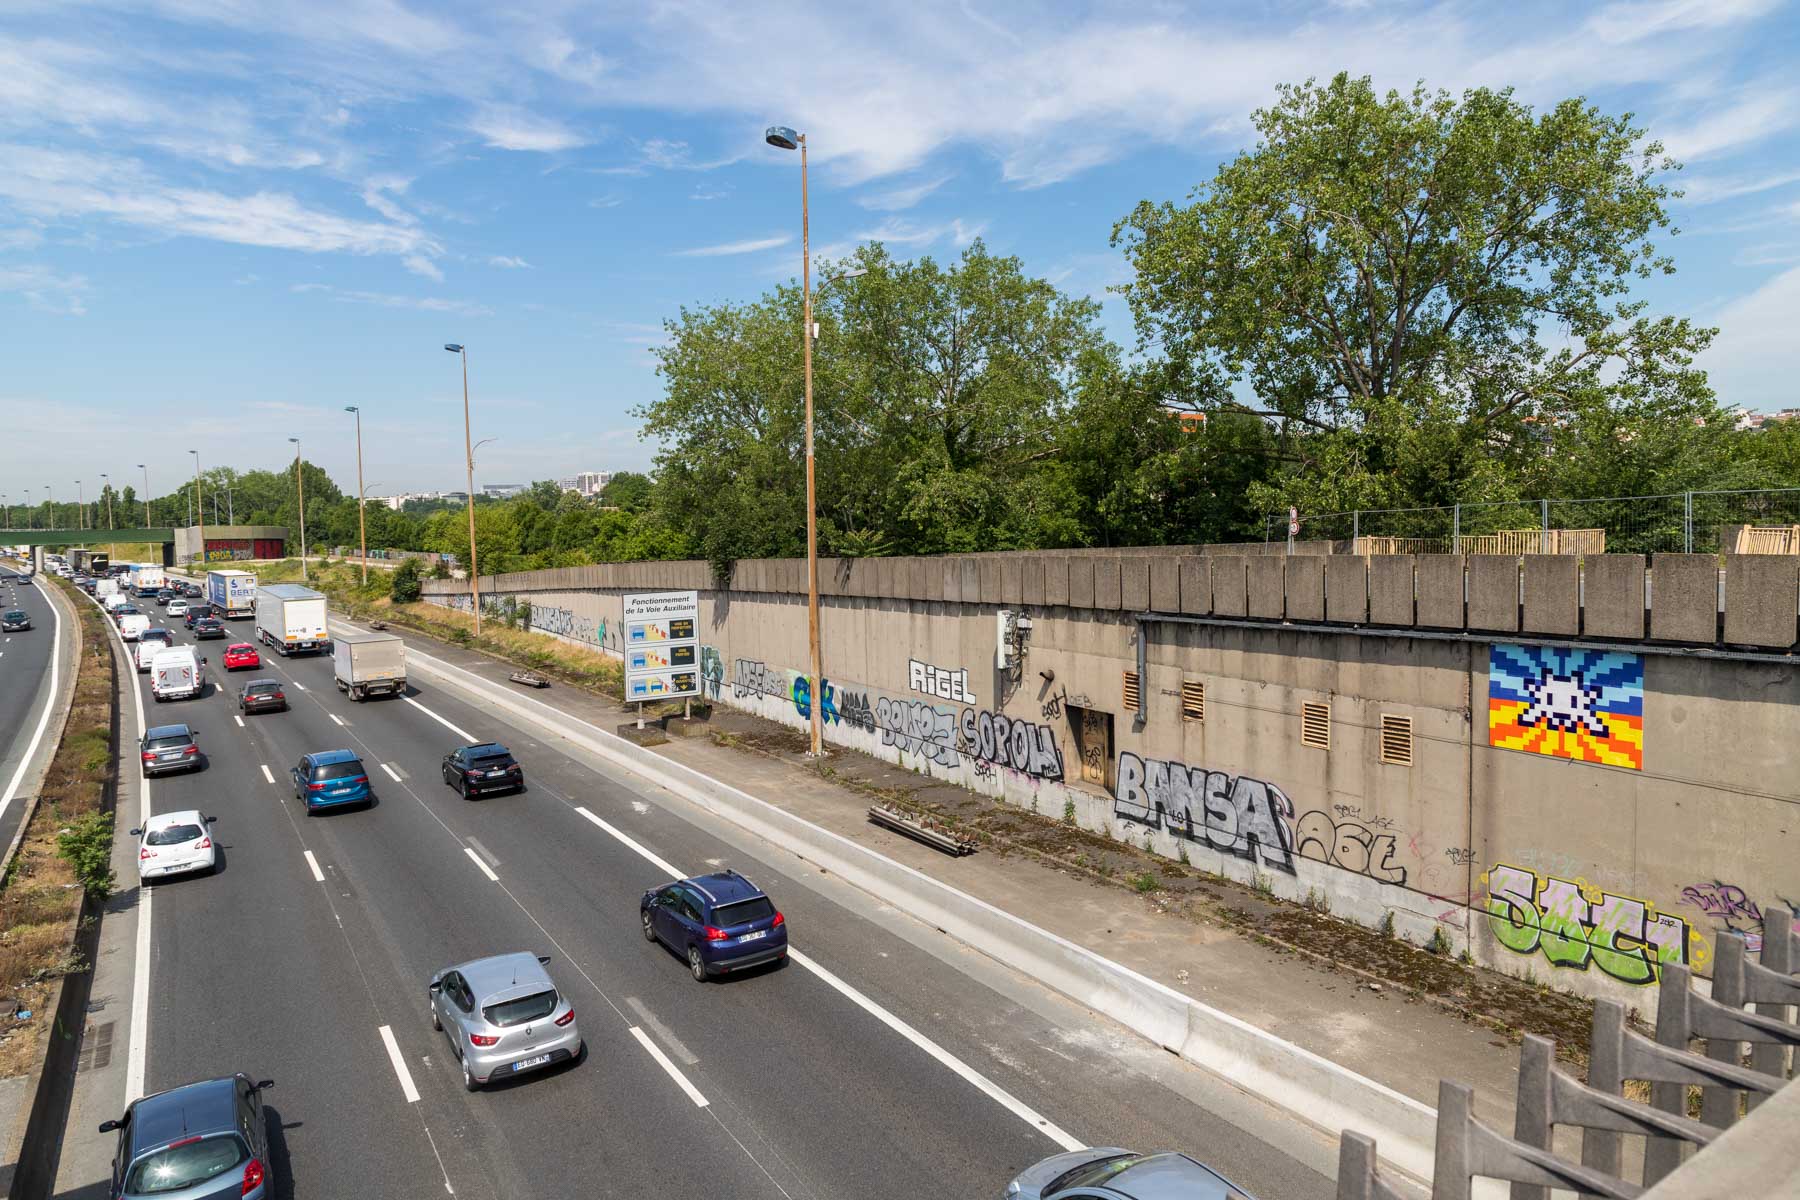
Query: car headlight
[1013,1188]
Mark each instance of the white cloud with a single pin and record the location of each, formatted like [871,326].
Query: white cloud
[750,246]
[1751,362]
[1634,22]
[508,262]
[45,289]
[896,199]
[418,264]
[509,128]
[1712,189]
[610,200]
[434,304]
[1759,112]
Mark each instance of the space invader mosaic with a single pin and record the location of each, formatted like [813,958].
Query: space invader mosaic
[1586,705]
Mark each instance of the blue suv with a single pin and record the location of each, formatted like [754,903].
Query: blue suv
[719,922]
[329,778]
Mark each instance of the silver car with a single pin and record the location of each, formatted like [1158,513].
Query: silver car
[1114,1174]
[504,1017]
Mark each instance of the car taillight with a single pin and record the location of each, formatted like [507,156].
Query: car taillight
[204,844]
[715,934]
[281,695]
[483,1040]
[315,787]
[146,852]
[191,750]
[253,1176]
[779,921]
[471,774]
[564,1020]
[149,757]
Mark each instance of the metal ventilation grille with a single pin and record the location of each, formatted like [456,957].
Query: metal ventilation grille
[1315,725]
[1133,690]
[1396,740]
[1193,700]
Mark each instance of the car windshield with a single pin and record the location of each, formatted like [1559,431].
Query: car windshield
[168,741]
[344,770]
[174,835]
[755,909]
[185,1166]
[1094,1173]
[490,762]
[526,1008]
[15,615]
[264,689]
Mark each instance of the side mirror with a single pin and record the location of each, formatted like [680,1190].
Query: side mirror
[436,985]
[209,820]
[111,1126]
[263,1084]
[137,833]
[543,960]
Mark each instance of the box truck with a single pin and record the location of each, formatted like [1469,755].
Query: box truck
[368,664]
[291,619]
[147,581]
[177,674]
[231,593]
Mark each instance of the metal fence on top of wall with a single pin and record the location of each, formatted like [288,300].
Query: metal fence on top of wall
[1764,521]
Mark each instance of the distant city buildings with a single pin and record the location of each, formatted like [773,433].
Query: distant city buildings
[502,491]
[587,483]
[1758,420]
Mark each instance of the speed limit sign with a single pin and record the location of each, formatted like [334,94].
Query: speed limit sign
[1293,521]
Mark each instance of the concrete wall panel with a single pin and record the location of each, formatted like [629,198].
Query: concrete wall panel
[950,571]
[1553,594]
[971,579]
[1134,584]
[1081,582]
[1196,584]
[991,594]
[1266,583]
[1032,582]
[1684,598]
[1440,581]
[887,578]
[1612,596]
[1106,583]
[1306,587]
[931,573]
[1760,595]
[1494,592]
[1391,588]
[1012,581]
[1056,579]
[1347,588]
[1230,585]
[1165,584]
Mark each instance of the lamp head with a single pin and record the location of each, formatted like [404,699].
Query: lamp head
[296,441]
[782,138]
[350,408]
[453,347]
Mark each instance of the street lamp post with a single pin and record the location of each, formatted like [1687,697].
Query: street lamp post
[107,488]
[49,507]
[300,487]
[146,471]
[457,349]
[362,523]
[80,505]
[199,509]
[783,138]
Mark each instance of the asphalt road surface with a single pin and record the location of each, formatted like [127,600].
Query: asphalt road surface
[25,691]
[889,1071]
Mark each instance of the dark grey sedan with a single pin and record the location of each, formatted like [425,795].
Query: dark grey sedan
[1110,1173]
[170,748]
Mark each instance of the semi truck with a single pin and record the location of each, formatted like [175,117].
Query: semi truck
[177,674]
[368,664]
[231,593]
[147,581]
[290,619]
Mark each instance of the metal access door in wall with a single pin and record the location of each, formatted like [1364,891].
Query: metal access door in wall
[1093,731]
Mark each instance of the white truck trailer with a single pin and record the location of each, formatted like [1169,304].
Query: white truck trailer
[290,619]
[368,664]
[177,674]
[231,593]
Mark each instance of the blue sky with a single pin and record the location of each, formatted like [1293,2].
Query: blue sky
[223,220]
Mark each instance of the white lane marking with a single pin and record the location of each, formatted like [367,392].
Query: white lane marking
[12,788]
[674,871]
[393,1048]
[467,737]
[674,1071]
[318,875]
[267,774]
[238,719]
[662,1031]
[335,717]
[487,855]
[300,685]
[485,869]
[987,1086]
[140,977]
[392,774]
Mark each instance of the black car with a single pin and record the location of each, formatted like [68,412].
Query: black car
[196,611]
[201,1139]
[164,595]
[486,767]
[15,621]
[208,627]
[263,695]
[170,748]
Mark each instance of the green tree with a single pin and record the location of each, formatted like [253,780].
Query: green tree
[1405,285]
[405,587]
[627,490]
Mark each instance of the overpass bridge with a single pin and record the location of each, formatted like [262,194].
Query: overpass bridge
[180,544]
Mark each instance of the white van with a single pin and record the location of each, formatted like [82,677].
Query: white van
[177,674]
[132,624]
[149,647]
[115,601]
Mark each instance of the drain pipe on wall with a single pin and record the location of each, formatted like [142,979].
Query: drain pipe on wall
[1469,840]
[1143,662]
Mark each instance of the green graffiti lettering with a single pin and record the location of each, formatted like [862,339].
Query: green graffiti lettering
[1616,933]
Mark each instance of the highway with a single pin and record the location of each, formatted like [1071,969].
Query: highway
[27,693]
[874,1068]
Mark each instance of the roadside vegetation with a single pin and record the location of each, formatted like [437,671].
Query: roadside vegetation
[67,847]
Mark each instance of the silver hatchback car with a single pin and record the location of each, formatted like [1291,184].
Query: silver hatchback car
[504,1017]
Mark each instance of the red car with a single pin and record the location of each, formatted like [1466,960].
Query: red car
[241,655]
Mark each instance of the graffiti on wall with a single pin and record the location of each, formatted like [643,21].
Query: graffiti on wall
[712,672]
[749,677]
[1731,909]
[941,682]
[1586,705]
[1573,924]
[1011,742]
[917,728]
[1241,816]
[564,623]
[1346,842]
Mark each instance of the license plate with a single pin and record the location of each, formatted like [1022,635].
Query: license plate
[751,937]
[496,774]
[539,1061]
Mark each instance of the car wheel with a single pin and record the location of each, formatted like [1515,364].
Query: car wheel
[436,1024]
[696,964]
[470,1083]
[649,926]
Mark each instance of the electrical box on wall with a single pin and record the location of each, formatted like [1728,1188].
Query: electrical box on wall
[1005,632]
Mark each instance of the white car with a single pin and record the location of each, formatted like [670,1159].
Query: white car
[178,608]
[175,843]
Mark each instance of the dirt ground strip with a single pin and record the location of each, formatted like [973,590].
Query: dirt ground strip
[40,898]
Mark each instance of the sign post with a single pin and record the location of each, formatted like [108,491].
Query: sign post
[662,649]
[1293,526]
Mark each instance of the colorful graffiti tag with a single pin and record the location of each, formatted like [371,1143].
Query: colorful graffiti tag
[1585,705]
[1242,816]
[1574,924]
